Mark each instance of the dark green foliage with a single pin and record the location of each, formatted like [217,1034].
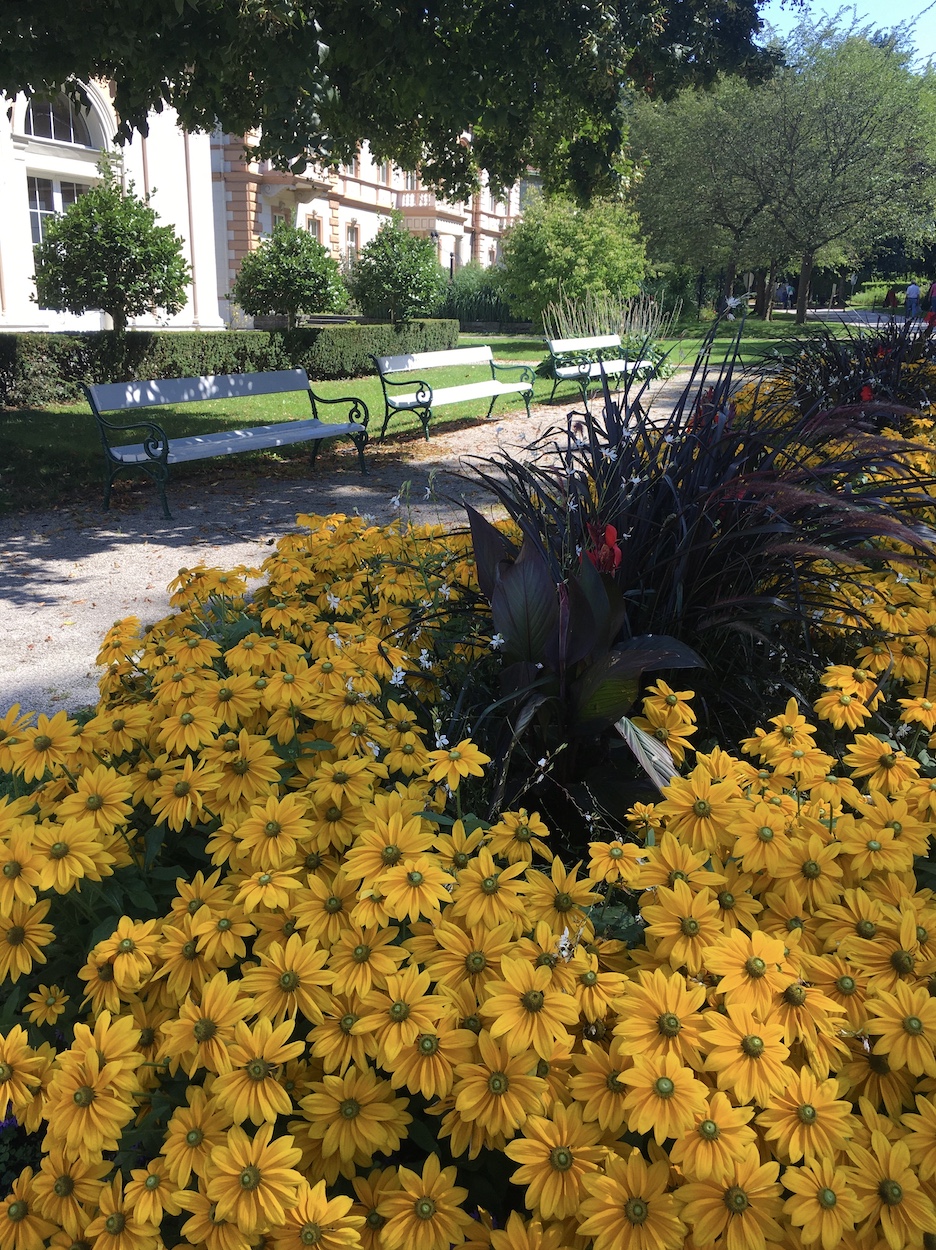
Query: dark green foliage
[108,252]
[537,83]
[38,369]
[396,276]
[865,367]
[475,294]
[289,273]
[706,529]
[561,250]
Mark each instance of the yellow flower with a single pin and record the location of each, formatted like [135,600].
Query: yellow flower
[454,956]
[748,1055]
[289,980]
[753,970]
[69,852]
[889,1193]
[451,764]
[84,1110]
[19,1067]
[180,795]
[485,895]
[426,1212]
[253,1182]
[560,899]
[150,1194]
[699,809]
[43,747]
[22,936]
[526,1009]
[194,1132]
[682,924]
[500,1091]
[273,830]
[370,1192]
[21,1225]
[251,1091]
[664,1097]
[556,1155]
[132,949]
[740,1210]
[355,1115]
[806,1120]
[317,1222]
[719,1137]
[597,1084]
[325,909]
[822,1204]
[516,835]
[395,1016]
[887,768]
[903,1024]
[427,1066]
[201,1033]
[66,1185]
[19,870]
[415,888]
[628,1208]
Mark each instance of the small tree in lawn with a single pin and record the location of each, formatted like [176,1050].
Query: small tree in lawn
[289,273]
[108,252]
[397,276]
[560,249]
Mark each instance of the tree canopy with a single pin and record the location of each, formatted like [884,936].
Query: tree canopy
[829,156]
[108,252]
[396,276]
[538,83]
[289,273]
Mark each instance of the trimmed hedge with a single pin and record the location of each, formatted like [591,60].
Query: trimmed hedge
[38,369]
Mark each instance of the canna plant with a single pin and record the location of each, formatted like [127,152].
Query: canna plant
[728,536]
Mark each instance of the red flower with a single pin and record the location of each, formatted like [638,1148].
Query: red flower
[605,554]
[867,393]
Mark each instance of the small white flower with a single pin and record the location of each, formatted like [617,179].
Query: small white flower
[542,763]
[610,453]
[445,591]
[578,550]
[425,603]
[425,659]
[397,677]
[428,492]
[441,741]
[497,642]
[395,502]
[333,601]
[374,749]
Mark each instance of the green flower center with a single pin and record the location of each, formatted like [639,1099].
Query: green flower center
[702,807]
[425,1208]
[890,1193]
[349,1109]
[310,1234]
[806,1113]
[726,900]
[826,1198]
[83,1096]
[428,1044]
[589,978]
[663,1087]
[12,869]
[489,885]
[333,905]
[846,985]
[668,1025]
[913,1025]
[250,1177]
[561,1158]
[498,1083]
[736,1200]
[390,854]
[116,1223]
[902,961]
[765,833]
[361,954]
[755,967]
[476,961]
[752,1046]
[194,1137]
[64,1186]
[204,1030]
[532,1000]
[258,1069]
[689,926]
[414,878]
[399,1012]
[563,902]
[811,870]
[795,995]
[636,1210]
[289,981]
[709,1130]
[151,1182]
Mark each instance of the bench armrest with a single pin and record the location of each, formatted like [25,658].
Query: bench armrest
[527,373]
[155,443]
[356,412]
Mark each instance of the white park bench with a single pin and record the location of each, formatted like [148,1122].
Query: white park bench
[422,397]
[581,360]
[157,451]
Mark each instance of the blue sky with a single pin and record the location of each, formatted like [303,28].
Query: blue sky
[883,13]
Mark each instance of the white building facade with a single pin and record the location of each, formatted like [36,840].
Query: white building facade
[48,157]
[221,204]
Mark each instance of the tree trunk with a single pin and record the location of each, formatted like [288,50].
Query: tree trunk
[771,287]
[802,295]
[728,288]
[760,293]
[118,319]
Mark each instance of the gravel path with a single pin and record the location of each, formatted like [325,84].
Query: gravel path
[67,574]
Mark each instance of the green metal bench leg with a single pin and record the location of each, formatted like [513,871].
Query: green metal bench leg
[360,442]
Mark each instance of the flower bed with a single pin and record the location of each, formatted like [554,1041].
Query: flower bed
[277,984]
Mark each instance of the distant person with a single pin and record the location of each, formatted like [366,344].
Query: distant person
[790,295]
[891,300]
[912,300]
[931,297]
[780,296]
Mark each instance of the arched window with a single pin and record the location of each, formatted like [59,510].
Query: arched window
[58,120]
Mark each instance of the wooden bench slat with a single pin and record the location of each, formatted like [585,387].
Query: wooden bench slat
[435,360]
[560,347]
[595,368]
[457,394]
[121,396]
[202,446]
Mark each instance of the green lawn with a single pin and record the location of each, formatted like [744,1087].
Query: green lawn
[54,455]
